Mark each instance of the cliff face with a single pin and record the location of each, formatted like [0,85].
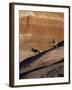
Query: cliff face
[37,29]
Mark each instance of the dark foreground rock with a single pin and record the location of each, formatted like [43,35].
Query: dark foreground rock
[49,63]
[54,70]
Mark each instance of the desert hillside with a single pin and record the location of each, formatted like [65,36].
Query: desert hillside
[37,29]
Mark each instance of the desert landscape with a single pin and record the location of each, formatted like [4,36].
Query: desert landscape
[41,44]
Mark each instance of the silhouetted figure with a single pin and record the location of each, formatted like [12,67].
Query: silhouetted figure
[35,50]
